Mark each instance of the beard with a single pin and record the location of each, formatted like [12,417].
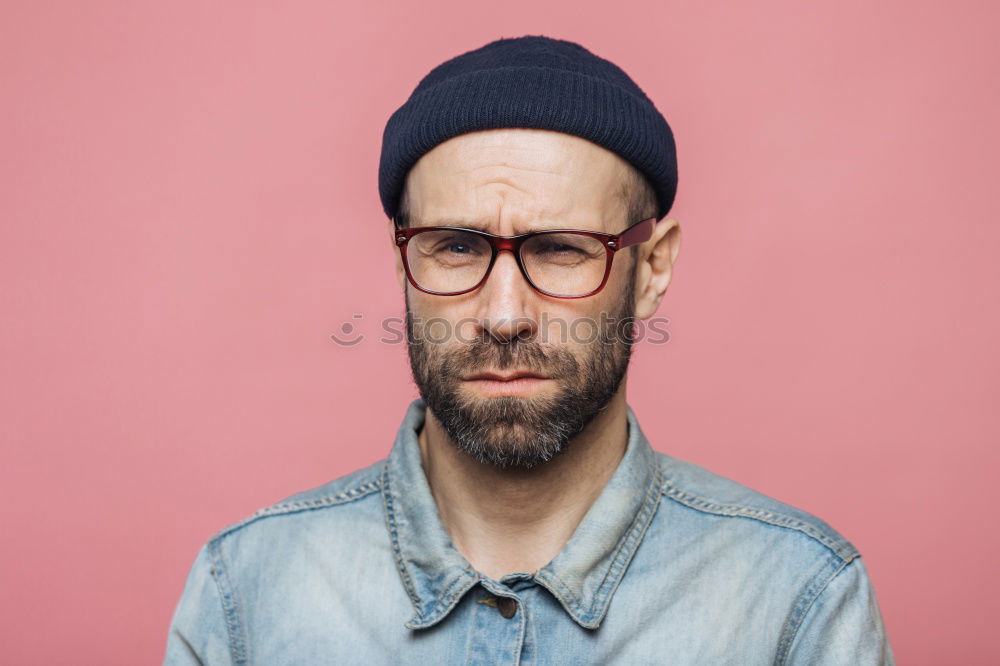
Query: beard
[515,431]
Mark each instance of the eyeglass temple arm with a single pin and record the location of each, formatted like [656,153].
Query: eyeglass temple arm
[639,232]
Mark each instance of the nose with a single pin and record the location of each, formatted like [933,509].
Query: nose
[506,301]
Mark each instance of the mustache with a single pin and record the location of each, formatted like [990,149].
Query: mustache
[487,354]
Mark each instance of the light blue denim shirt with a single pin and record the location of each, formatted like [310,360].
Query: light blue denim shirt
[671,565]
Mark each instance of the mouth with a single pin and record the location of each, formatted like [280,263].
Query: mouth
[494,383]
[497,377]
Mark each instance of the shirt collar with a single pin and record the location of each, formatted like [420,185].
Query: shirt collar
[583,576]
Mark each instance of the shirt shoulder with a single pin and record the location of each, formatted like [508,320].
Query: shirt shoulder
[344,490]
[702,490]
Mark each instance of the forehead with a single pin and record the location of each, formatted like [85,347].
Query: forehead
[538,178]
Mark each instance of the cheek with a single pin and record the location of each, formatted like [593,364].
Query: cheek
[575,330]
[441,326]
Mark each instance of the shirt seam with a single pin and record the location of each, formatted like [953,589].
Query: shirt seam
[621,557]
[626,551]
[229,599]
[230,606]
[802,608]
[838,547]
[356,492]
[390,518]
[635,537]
[456,589]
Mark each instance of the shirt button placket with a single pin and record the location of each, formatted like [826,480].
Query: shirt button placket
[498,630]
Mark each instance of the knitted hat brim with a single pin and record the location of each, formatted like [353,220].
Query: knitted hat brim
[505,97]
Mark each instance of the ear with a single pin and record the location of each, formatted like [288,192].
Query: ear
[400,271]
[656,266]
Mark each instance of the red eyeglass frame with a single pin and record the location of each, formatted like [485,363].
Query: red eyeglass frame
[639,232]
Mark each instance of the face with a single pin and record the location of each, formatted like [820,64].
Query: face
[509,182]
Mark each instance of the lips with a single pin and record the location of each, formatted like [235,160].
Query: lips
[497,377]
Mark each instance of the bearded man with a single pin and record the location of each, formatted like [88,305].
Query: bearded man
[521,516]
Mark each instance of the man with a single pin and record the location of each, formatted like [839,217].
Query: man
[521,515]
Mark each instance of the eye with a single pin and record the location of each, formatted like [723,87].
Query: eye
[458,248]
[456,244]
[555,247]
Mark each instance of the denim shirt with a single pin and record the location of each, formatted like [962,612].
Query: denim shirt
[671,564]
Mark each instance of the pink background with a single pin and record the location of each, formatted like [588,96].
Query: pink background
[176,178]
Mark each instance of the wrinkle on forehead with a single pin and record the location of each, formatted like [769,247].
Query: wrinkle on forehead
[517,177]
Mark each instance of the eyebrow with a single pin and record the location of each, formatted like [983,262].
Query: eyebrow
[479,226]
[454,222]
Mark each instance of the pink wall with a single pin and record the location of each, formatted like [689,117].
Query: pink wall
[175,178]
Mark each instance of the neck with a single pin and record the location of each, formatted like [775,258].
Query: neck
[517,520]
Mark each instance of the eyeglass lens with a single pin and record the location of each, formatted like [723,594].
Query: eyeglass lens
[448,260]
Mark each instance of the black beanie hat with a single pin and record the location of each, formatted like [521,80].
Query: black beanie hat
[534,82]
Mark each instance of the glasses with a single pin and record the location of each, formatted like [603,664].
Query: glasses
[564,263]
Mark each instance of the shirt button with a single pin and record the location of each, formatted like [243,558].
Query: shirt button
[506,606]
